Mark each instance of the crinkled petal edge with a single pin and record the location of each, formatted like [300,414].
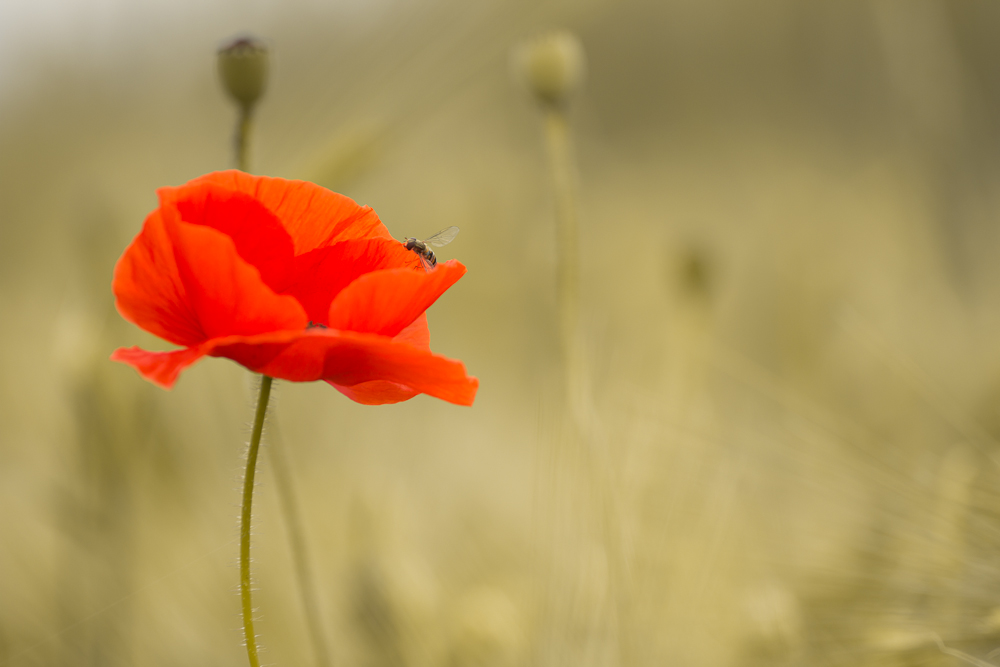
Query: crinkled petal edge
[360,365]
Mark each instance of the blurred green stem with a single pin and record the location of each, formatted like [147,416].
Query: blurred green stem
[243,137]
[560,150]
[563,167]
[296,537]
[258,428]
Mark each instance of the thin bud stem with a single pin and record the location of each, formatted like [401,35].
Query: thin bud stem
[243,128]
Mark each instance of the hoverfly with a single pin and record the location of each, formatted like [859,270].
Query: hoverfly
[423,248]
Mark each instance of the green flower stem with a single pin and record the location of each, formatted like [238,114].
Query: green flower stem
[283,479]
[258,428]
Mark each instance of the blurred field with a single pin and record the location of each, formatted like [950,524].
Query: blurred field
[789,268]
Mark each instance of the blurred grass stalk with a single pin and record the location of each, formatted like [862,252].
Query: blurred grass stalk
[560,148]
[292,516]
[553,67]
[243,68]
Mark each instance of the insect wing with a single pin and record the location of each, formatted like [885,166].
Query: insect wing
[442,238]
[428,267]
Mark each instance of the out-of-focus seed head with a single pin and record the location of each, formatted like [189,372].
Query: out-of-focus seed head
[243,69]
[552,66]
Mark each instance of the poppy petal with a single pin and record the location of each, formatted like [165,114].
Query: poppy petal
[313,216]
[385,302]
[377,392]
[319,275]
[225,293]
[160,368]
[416,333]
[260,238]
[148,288]
[382,392]
[347,359]
[364,357]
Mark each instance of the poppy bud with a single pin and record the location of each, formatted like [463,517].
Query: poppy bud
[243,70]
[552,66]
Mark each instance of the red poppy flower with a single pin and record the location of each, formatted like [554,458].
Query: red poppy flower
[290,280]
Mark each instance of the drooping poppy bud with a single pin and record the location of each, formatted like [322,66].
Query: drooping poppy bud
[243,69]
[552,66]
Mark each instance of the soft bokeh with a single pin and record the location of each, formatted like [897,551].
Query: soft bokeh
[790,294]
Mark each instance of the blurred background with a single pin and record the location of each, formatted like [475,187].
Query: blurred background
[790,290]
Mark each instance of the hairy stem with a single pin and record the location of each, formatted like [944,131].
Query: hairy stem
[258,428]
